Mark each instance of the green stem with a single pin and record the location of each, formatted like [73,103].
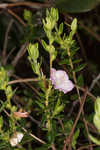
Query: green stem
[47,104]
[47,100]
[50,63]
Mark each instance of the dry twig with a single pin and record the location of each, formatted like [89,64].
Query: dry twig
[6,42]
[29,4]
[94,82]
[16,16]
[69,139]
[20,53]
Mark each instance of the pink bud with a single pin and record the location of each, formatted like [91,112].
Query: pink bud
[21,114]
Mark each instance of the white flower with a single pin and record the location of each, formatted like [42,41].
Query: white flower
[16,138]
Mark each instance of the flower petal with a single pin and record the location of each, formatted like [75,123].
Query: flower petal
[61,75]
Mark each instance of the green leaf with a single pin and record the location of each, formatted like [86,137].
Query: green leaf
[44,147]
[12,125]
[43,120]
[4,145]
[53,55]
[68,124]
[1,122]
[9,92]
[74,26]
[52,134]
[74,140]
[28,16]
[73,51]
[40,105]
[76,6]
[80,80]
[97,106]
[52,17]
[79,68]
[57,104]
[54,13]
[64,61]
[3,79]
[33,56]
[4,104]
[33,51]
[5,136]
[57,110]
[61,28]
[74,97]
[77,61]
[96,120]
[45,45]
[94,140]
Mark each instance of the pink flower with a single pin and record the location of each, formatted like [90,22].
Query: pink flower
[61,81]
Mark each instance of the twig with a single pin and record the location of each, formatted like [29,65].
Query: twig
[23,80]
[16,16]
[6,42]
[72,107]
[32,135]
[82,47]
[9,54]
[86,127]
[88,93]
[19,80]
[53,147]
[90,31]
[94,82]
[75,80]
[30,4]
[69,139]
[92,127]
[61,123]
[78,92]
[86,147]
[31,86]
[19,54]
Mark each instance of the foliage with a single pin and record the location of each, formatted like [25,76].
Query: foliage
[46,112]
[96,120]
[76,6]
[34,27]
